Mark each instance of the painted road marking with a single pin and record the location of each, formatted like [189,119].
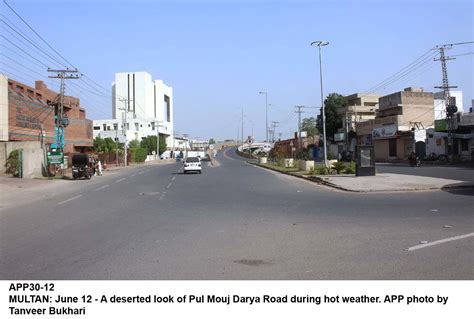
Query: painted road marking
[68,200]
[120,180]
[174,177]
[134,175]
[437,242]
[140,173]
[105,186]
[162,196]
[169,184]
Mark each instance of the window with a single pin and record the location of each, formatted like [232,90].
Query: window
[19,87]
[392,147]
[108,127]
[39,96]
[168,108]
[104,126]
[96,128]
[115,126]
[152,126]
[136,127]
[128,126]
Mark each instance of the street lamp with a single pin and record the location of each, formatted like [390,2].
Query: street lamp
[320,44]
[266,114]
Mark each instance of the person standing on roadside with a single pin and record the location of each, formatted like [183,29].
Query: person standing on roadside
[99,168]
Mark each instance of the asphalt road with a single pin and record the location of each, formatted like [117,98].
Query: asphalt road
[234,221]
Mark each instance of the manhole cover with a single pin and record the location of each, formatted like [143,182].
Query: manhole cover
[251,262]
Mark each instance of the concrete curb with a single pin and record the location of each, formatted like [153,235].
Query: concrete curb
[320,180]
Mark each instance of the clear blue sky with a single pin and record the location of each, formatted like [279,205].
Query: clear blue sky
[217,55]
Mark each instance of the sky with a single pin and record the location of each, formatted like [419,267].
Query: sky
[218,55]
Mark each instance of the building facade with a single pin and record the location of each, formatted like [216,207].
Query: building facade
[360,107]
[146,106]
[28,115]
[400,124]
[462,148]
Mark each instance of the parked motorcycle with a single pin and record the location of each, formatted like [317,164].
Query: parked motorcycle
[414,160]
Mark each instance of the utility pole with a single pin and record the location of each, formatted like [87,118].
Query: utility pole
[186,143]
[451,108]
[242,129]
[116,147]
[266,113]
[299,111]
[274,124]
[124,117]
[61,121]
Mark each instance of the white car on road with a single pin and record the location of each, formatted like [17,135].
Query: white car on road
[192,164]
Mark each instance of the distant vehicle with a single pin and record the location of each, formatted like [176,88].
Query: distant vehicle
[82,166]
[192,164]
[165,155]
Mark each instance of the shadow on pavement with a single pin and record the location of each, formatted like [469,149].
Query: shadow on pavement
[466,189]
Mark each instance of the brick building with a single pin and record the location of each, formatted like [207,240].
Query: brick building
[401,120]
[31,117]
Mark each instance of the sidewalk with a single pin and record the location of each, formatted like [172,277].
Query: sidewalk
[30,189]
[382,182]
[387,182]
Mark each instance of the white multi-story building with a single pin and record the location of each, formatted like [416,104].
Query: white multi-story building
[146,106]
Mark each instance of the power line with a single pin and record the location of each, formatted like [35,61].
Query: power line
[37,34]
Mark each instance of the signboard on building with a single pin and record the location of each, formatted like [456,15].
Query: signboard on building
[55,157]
[339,137]
[387,131]
[440,125]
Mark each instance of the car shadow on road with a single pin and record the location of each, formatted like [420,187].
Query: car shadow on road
[464,188]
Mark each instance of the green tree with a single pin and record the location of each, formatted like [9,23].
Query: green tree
[109,145]
[212,141]
[139,154]
[332,104]
[99,145]
[149,143]
[133,144]
[309,125]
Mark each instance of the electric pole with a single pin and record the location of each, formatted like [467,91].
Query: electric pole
[61,121]
[242,129]
[299,111]
[449,104]
[126,102]
[274,124]
[185,136]
[450,108]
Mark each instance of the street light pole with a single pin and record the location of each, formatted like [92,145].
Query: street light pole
[319,44]
[266,114]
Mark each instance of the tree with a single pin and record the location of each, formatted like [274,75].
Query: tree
[332,104]
[309,125]
[133,144]
[109,145]
[149,143]
[99,145]
[212,141]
